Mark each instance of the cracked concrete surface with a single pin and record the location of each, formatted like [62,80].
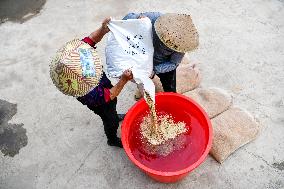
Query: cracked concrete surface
[241,50]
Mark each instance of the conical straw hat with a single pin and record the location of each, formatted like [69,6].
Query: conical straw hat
[177,32]
[76,68]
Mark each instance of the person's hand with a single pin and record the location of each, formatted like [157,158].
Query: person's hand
[105,23]
[142,16]
[115,90]
[152,75]
[127,75]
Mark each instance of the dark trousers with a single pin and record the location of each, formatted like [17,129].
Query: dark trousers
[168,81]
[109,116]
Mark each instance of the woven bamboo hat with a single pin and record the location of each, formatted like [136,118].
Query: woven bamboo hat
[177,32]
[76,68]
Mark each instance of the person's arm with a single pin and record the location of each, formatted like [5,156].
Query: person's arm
[97,35]
[126,76]
[170,65]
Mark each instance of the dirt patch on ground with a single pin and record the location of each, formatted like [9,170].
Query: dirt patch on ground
[12,136]
[279,166]
[19,10]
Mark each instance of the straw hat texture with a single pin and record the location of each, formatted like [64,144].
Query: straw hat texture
[76,68]
[177,32]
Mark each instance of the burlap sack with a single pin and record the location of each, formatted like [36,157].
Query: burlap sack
[188,77]
[213,100]
[158,84]
[232,129]
[185,60]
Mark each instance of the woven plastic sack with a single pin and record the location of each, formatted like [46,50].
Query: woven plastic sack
[188,78]
[232,129]
[130,46]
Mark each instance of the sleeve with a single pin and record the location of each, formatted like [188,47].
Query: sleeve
[177,57]
[98,96]
[107,95]
[164,67]
[103,90]
[106,83]
[151,15]
[101,95]
[168,66]
[131,16]
[89,41]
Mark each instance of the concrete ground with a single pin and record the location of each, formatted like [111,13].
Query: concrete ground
[55,142]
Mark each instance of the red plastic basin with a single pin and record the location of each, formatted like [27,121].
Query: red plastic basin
[176,167]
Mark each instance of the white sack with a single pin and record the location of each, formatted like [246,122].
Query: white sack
[130,46]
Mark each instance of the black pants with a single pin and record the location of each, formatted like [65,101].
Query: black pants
[109,116]
[168,81]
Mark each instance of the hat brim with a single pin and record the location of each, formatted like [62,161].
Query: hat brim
[177,32]
[76,69]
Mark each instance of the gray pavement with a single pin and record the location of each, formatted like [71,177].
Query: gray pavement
[55,142]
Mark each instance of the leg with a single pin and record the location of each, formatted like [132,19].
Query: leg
[110,119]
[168,81]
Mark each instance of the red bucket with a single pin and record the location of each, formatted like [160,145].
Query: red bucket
[175,167]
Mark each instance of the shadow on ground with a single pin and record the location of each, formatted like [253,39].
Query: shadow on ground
[19,10]
[12,136]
